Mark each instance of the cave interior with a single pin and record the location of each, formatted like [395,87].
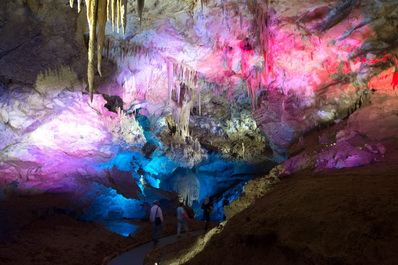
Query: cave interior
[107,105]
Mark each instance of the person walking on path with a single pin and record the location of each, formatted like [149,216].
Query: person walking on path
[182,219]
[225,202]
[156,218]
[207,209]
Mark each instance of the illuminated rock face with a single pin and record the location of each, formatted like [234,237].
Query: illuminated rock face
[302,64]
[243,81]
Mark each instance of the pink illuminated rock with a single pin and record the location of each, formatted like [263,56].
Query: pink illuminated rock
[341,155]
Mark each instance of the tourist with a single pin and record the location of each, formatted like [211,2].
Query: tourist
[207,209]
[182,219]
[156,218]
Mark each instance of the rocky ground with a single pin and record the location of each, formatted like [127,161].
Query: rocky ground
[313,215]
[344,216]
[34,230]
[310,214]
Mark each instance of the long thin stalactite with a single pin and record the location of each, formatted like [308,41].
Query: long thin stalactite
[92,22]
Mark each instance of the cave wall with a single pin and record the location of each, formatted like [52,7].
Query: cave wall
[38,36]
[240,79]
[301,64]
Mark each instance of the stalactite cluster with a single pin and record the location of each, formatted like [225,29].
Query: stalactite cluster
[202,3]
[116,49]
[98,12]
[257,78]
[183,85]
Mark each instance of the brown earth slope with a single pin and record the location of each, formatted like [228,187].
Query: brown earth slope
[346,216]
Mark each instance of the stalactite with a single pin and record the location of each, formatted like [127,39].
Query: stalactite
[102,16]
[109,10]
[114,4]
[148,80]
[266,52]
[248,86]
[178,77]
[169,77]
[253,93]
[92,21]
[119,15]
[79,6]
[140,52]
[98,12]
[241,20]
[175,71]
[184,74]
[124,15]
[178,93]
[261,26]
[140,7]
[200,99]
[188,76]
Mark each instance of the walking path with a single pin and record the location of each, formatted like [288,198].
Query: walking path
[137,255]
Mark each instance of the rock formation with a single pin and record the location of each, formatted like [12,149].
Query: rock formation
[194,97]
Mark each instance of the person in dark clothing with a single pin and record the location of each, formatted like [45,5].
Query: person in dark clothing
[207,209]
[225,202]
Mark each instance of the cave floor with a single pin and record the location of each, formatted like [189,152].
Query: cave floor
[137,255]
[33,231]
[344,216]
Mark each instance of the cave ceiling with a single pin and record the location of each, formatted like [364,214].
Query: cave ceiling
[182,84]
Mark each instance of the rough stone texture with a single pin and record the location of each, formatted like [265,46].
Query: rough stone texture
[40,36]
[322,60]
[362,139]
[346,216]
[309,80]
[382,114]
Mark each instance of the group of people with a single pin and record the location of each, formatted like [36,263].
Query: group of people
[156,218]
